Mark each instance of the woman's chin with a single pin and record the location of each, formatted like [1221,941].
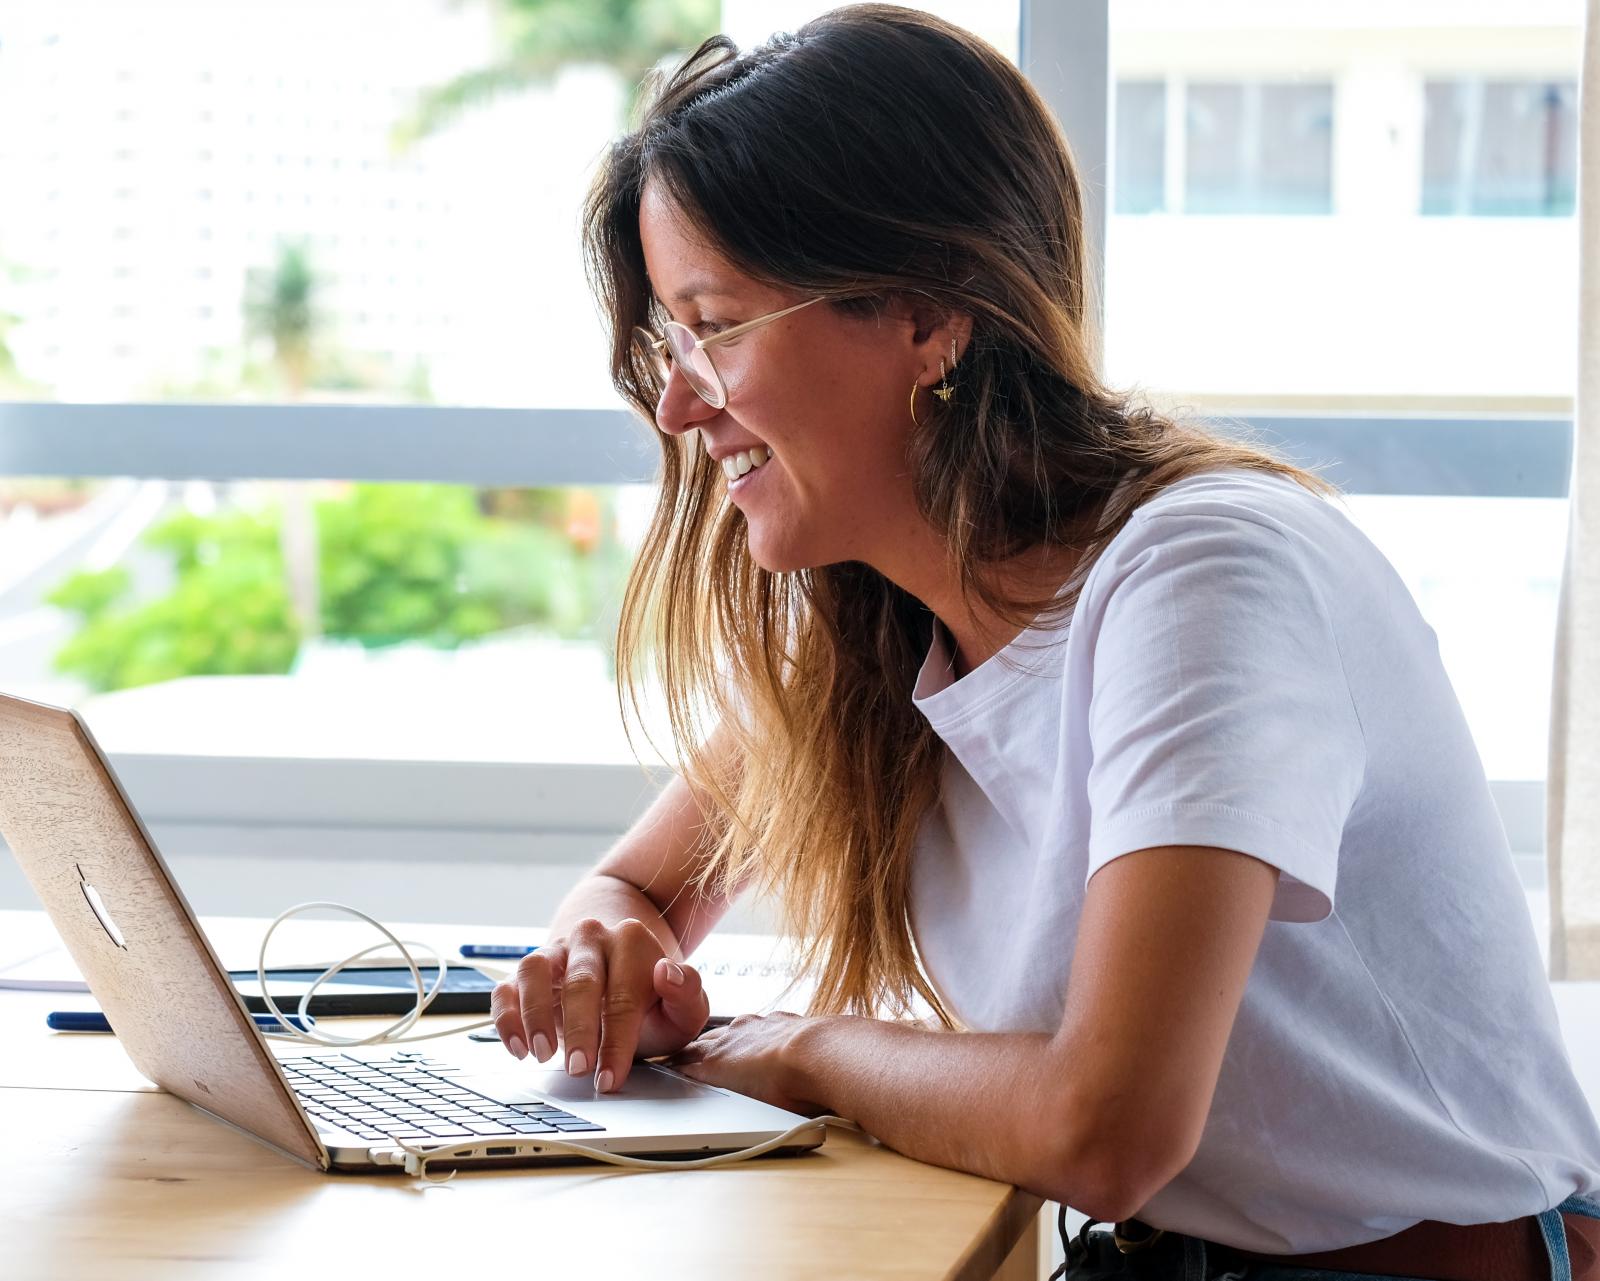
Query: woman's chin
[777,558]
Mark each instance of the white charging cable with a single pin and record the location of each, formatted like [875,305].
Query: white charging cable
[396,1031]
[415,1160]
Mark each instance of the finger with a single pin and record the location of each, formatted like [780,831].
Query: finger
[630,994]
[539,976]
[505,1008]
[582,990]
[683,1010]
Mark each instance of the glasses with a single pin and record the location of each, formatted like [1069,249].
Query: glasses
[677,345]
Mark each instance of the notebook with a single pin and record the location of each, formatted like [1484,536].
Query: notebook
[133,937]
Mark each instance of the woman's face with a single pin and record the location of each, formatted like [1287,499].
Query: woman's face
[826,395]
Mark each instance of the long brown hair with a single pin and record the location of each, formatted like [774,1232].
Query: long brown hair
[876,152]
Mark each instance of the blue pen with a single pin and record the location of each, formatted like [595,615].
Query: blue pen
[95,1021]
[495,951]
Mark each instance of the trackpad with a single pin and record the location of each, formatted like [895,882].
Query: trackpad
[645,1083]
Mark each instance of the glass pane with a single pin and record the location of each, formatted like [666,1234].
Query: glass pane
[1497,651]
[447,622]
[1258,148]
[1319,141]
[1141,135]
[1506,147]
[275,200]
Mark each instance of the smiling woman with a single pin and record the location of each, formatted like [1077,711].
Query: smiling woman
[1111,741]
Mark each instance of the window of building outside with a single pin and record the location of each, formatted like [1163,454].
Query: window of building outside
[1500,147]
[1376,119]
[1258,148]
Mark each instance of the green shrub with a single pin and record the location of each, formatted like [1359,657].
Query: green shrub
[397,562]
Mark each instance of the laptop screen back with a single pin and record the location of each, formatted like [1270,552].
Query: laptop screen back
[130,931]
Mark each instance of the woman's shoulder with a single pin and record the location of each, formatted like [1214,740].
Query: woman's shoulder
[1254,519]
[1236,500]
[1242,492]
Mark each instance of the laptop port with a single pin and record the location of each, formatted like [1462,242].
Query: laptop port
[500,1151]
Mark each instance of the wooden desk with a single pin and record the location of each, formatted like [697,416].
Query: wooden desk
[104,1176]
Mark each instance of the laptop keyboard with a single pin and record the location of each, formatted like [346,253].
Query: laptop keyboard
[413,1098]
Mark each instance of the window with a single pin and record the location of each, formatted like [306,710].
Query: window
[1314,138]
[1377,309]
[1257,148]
[1500,147]
[1141,141]
[452,622]
[506,325]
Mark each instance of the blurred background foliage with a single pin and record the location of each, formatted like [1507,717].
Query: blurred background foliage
[539,37]
[399,563]
[377,564]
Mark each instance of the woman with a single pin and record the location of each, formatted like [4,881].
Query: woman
[1112,742]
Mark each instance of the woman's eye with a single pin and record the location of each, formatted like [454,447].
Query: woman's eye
[709,327]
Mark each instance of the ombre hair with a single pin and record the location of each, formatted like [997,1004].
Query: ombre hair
[876,153]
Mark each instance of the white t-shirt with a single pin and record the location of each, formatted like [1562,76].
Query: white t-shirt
[1245,670]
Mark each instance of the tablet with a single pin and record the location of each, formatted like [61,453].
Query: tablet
[386,989]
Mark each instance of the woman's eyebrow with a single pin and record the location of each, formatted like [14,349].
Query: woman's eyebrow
[703,288]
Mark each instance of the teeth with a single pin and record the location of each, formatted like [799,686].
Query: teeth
[736,465]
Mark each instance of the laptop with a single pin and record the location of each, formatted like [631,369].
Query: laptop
[129,929]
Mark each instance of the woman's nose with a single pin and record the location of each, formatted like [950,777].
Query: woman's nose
[680,408]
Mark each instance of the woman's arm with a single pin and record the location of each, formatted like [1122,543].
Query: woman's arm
[606,983]
[1099,1115]
[647,875]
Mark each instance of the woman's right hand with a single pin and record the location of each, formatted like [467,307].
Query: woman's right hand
[606,994]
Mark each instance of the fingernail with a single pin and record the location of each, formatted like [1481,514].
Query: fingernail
[541,1046]
[605,1080]
[577,1063]
[517,1048]
[674,973]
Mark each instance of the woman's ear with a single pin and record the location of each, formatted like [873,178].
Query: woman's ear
[934,331]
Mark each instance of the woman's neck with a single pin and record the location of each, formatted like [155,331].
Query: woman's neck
[974,642]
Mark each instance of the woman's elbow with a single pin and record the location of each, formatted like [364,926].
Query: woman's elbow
[1110,1170]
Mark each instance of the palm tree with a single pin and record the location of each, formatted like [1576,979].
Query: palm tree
[542,36]
[279,306]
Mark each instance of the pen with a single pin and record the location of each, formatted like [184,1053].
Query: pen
[500,951]
[95,1021]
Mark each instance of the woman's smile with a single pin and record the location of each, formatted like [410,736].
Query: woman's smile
[747,472]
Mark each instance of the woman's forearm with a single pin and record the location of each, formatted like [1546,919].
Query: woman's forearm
[993,1104]
[609,899]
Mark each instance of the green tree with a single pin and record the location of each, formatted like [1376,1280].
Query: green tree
[227,615]
[541,36]
[399,563]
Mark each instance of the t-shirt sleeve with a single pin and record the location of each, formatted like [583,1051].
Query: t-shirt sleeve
[1219,713]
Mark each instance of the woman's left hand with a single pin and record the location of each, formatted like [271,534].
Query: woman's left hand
[756,1054]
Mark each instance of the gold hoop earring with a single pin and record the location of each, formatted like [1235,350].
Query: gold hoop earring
[914,385]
